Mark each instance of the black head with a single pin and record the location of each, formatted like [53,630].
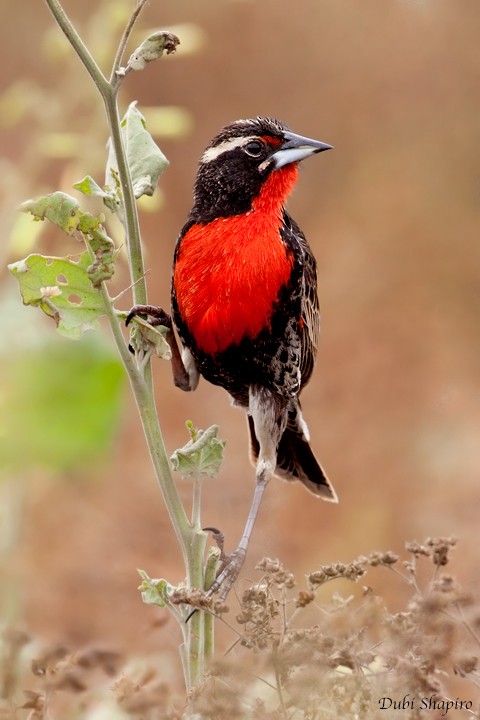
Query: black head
[237,162]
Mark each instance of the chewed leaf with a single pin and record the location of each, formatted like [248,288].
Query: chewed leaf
[145,159]
[152,48]
[88,186]
[58,207]
[154,591]
[102,247]
[62,288]
[202,455]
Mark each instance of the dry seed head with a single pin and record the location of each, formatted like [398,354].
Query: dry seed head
[440,548]
[417,550]
[198,599]
[304,598]
[277,572]
[381,558]
[351,571]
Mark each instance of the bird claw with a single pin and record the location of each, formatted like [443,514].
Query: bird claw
[219,538]
[230,566]
[229,572]
[155,315]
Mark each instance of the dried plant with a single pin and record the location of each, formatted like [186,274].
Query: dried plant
[302,653]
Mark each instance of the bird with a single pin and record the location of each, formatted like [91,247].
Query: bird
[244,302]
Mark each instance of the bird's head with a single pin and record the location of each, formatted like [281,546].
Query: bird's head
[248,159]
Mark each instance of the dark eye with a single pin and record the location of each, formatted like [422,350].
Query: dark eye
[254,148]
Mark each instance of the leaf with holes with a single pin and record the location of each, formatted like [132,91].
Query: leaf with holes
[62,288]
[102,247]
[58,207]
[145,159]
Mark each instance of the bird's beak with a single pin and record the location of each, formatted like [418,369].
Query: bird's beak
[295,148]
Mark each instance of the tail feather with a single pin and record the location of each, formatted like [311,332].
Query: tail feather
[296,461]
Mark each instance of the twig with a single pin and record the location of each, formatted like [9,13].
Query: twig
[115,79]
[78,45]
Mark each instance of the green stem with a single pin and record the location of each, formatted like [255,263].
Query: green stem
[132,229]
[78,45]
[196,648]
[115,80]
[208,622]
[184,659]
[109,95]
[196,629]
[148,415]
[196,504]
[192,541]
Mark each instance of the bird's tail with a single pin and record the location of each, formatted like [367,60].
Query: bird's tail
[296,461]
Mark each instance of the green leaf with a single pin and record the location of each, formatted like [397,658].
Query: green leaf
[88,224]
[154,591]
[61,287]
[154,337]
[102,247]
[88,186]
[202,455]
[145,159]
[152,48]
[58,207]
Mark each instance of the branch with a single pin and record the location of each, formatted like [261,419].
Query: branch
[78,45]
[114,79]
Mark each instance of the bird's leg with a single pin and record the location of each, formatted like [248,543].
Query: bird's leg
[269,413]
[157,316]
[233,563]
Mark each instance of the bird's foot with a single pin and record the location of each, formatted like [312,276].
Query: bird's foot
[228,574]
[230,566]
[219,538]
[155,315]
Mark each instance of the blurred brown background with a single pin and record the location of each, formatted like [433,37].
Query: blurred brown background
[393,216]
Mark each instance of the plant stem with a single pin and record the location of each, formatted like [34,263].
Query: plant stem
[78,45]
[114,79]
[196,550]
[151,427]
[208,622]
[196,504]
[192,540]
[109,95]
[129,205]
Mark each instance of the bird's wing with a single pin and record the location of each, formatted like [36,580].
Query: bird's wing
[310,311]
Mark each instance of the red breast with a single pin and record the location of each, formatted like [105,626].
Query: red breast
[229,271]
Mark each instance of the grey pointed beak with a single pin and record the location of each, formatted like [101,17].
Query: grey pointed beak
[295,148]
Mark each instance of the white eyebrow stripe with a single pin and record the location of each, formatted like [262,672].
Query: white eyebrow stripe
[213,153]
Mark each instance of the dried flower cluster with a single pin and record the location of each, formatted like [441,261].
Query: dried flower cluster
[301,655]
[198,599]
